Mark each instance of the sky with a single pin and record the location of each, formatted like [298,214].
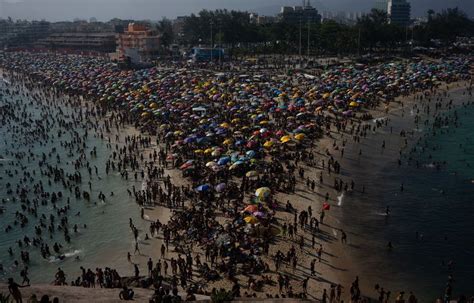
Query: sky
[103,10]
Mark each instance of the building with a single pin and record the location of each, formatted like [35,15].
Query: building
[101,42]
[22,33]
[138,42]
[261,20]
[297,14]
[381,5]
[178,27]
[399,12]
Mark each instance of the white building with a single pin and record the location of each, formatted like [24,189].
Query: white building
[399,12]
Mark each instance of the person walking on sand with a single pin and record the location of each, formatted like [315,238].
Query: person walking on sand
[136,249]
[320,252]
[305,285]
[14,290]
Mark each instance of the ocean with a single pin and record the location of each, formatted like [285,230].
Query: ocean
[430,224]
[106,239]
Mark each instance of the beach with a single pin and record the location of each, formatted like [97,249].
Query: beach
[334,248]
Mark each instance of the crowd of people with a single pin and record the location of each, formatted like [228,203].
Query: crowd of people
[239,141]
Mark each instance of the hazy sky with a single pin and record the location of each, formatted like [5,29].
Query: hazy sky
[55,10]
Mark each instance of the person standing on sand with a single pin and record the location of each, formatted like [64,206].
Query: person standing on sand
[338,292]
[150,266]
[312,267]
[332,293]
[324,298]
[14,290]
[343,237]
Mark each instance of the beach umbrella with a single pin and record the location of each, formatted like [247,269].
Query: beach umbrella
[235,165]
[268,144]
[250,153]
[300,136]
[251,220]
[259,214]
[262,192]
[251,174]
[223,161]
[203,187]
[220,187]
[186,165]
[211,164]
[251,208]
[285,139]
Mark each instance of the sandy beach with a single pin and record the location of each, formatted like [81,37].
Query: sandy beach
[335,264]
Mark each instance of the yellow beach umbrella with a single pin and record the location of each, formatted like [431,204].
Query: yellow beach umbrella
[268,144]
[299,136]
[251,174]
[251,220]
[262,192]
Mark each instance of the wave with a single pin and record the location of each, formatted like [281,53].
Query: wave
[379,119]
[59,258]
[339,199]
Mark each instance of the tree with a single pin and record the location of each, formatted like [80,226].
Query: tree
[166,32]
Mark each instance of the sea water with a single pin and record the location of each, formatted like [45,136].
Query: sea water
[430,221]
[106,239]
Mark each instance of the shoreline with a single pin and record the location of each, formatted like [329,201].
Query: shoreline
[351,168]
[127,130]
[333,254]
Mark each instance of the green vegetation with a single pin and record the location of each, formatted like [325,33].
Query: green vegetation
[233,30]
